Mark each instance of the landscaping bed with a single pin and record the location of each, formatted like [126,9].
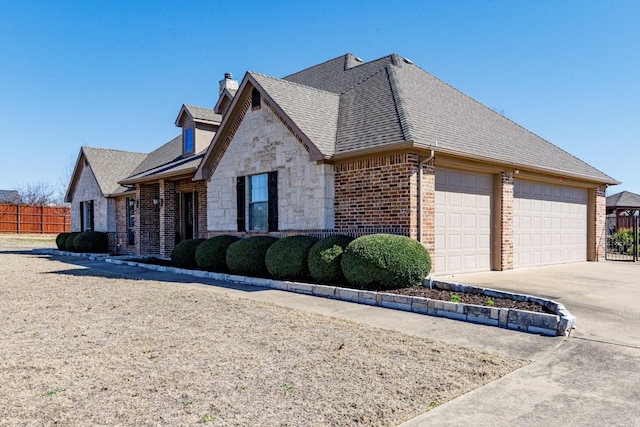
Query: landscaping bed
[470,298]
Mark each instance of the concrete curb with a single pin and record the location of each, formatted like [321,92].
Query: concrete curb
[559,323]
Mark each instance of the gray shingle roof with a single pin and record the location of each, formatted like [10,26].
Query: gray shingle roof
[390,100]
[201,113]
[624,199]
[314,111]
[110,166]
[167,153]
[9,196]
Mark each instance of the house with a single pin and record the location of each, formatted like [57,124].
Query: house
[98,202]
[147,203]
[622,208]
[9,196]
[355,147]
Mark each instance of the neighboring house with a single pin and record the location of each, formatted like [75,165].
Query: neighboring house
[97,201]
[9,196]
[358,147]
[623,206]
[148,202]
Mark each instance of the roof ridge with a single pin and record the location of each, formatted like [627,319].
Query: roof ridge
[197,106]
[113,149]
[405,123]
[294,83]
[322,63]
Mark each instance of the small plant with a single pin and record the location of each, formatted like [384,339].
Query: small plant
[433,404]
[187,402]
[455,298]
[91,242]
[53,391]
[286,387]
[207,418]
[490,302]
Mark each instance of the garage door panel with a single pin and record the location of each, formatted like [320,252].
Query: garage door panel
[550,224]
[463,221]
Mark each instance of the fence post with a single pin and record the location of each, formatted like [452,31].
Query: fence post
[18,219]
[635,236]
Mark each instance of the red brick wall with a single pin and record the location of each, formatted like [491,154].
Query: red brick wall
[147,220]
[376,194]
[119,242]
[600,222]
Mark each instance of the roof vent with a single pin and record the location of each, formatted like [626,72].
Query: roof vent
[228,76]
[408,61]
[358,59]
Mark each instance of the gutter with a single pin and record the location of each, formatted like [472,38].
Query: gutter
[421,162]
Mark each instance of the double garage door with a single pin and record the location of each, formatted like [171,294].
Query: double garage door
[549,223]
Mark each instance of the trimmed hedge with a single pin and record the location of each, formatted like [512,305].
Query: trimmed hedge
[246,256]
[324,259]
[287,258]
[68,244]
[183,254]
[60,241]
[385,261]
[91,242]
[211,254]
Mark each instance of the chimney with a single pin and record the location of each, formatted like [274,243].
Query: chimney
[228,83]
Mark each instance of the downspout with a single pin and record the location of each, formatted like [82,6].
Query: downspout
[421,162]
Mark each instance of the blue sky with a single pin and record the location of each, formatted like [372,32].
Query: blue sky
[114,74]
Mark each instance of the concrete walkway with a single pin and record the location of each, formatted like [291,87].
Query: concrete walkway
[591,378]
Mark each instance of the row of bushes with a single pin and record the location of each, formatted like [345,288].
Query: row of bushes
[84,242]
[376,261]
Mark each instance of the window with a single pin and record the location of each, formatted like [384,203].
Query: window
[255,99]
[86,216]
[262,203]
[188,140]
[131,221]
[258,203]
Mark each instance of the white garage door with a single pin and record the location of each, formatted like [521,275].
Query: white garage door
[463,222]
[549,224]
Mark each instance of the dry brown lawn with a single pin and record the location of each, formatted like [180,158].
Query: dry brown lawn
[82,349]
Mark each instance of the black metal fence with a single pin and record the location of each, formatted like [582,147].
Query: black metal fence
[622,237]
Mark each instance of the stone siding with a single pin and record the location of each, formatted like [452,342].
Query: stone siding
[262,144]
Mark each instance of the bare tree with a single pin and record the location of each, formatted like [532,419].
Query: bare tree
[39,193]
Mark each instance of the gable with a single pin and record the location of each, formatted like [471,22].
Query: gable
[238,110]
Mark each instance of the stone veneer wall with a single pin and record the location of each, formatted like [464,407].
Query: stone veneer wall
[262,143]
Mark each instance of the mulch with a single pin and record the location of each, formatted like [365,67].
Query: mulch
[468,298]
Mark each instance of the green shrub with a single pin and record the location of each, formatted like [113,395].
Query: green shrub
[622,242]
[324,259]
[211,254]
[68,244]
[183,254]
[385,261]
[60,241]
[287,258]
[246,256]
[91,242]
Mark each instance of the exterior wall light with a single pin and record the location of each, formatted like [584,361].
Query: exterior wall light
[157,202]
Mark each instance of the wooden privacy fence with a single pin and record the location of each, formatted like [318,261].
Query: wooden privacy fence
[22,219]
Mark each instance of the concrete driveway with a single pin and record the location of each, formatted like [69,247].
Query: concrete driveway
[591,379]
